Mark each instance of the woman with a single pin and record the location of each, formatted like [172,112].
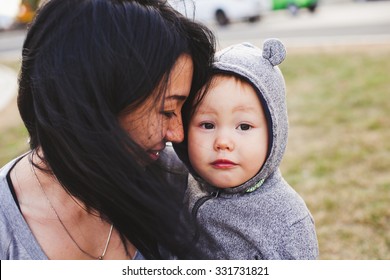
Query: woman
[102,84]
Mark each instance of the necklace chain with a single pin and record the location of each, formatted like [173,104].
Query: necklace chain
[101,257]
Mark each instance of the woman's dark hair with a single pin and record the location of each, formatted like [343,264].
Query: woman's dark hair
[84,63]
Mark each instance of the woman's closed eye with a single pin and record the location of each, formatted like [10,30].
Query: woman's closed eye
[168,114]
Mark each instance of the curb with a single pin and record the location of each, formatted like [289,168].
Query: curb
[8,86]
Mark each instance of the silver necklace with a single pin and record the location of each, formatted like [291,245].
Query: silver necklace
[101,257]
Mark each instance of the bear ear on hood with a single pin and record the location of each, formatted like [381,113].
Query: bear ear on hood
[274,51]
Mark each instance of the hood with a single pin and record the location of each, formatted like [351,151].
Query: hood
[259,68]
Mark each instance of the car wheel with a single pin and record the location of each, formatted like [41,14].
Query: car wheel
[293,9]
[221,18]
[254,19]
[312,8]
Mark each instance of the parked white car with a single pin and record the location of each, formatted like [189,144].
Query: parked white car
[8,11]
[223,11]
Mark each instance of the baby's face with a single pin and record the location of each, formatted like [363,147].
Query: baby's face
[228,134]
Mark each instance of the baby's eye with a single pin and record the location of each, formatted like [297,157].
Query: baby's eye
[207,125]
[244,126]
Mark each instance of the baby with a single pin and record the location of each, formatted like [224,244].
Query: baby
[239,205]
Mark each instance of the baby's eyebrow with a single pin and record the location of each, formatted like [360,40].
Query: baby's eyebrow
[244,108]
[206,112]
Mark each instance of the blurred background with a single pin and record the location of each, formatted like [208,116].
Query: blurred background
[337,75]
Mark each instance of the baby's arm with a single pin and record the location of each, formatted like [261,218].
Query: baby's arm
[300,240]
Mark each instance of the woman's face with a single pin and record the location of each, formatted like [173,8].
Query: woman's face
[152,124]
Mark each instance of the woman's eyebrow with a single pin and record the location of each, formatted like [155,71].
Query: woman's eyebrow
[177,97]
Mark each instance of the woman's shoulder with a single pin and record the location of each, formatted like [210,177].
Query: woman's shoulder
[16,239]
[138,256]
[5,169]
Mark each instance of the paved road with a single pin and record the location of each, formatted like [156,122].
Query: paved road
[11,43]
[8,86]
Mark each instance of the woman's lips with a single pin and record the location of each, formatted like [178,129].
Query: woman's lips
[223,164]
[154,155]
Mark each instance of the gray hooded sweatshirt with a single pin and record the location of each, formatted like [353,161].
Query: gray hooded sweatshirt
[264,218]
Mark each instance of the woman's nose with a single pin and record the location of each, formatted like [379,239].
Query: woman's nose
[175,132]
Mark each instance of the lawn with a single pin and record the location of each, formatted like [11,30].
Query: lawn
[338,156]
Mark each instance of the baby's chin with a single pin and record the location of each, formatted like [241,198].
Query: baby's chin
[222,184]
[226,183]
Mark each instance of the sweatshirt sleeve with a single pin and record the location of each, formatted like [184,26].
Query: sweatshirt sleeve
[300,240]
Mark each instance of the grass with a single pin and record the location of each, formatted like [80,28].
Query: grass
[338,156]
[15,65]
[13,141]
[13,135]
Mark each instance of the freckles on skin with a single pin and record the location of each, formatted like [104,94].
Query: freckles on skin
[141,123]
[158,119]
[179,89]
